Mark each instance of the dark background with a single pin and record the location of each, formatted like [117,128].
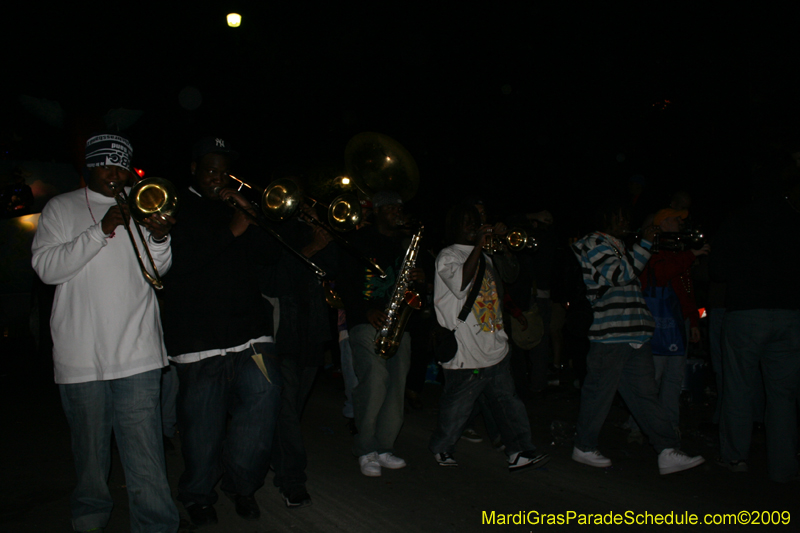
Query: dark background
[530,105]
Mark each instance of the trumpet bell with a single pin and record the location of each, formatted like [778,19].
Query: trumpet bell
[281,200]
[344,213]
[517,239]
[152,196]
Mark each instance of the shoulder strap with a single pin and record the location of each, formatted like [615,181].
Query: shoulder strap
[476,287]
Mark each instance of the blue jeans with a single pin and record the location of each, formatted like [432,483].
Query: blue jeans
[541,354]
[670,371]
[462,387]
[131,407]
[349,377]
[288,450]
[378,398]
[771,338]
[482,408]
[169,400]
[620,366]
[715,317]
[211,389]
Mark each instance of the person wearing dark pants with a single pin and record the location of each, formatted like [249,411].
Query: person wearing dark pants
[620,358]
[303,328]
[463,274]
[761,327]
[218,331]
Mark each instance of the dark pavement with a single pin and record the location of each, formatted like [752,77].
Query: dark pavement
[38,473]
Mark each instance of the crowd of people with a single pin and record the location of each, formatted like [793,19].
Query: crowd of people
[227,354]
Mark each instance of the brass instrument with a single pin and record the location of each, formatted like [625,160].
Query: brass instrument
[313,266]
[403,301]
[376,162]
[677,241]
[515,239]
[148,197]
[282,199]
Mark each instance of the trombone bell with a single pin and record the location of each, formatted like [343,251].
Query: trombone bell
[344,213]
[281,200]
[147,197]
[152,196]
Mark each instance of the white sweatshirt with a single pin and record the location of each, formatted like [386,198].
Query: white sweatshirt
[105,321]
[482,341]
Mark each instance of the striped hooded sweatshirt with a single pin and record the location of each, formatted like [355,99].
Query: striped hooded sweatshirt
[611,275]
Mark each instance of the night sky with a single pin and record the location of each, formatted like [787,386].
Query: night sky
[530,105]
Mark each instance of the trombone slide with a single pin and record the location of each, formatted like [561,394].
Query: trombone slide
[317,270]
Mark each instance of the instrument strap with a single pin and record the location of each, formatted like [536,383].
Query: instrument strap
[476,287]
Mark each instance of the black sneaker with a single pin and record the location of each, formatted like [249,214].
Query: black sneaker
[246,506]
[528,459]
[733,466]
[296,497]
[201,515]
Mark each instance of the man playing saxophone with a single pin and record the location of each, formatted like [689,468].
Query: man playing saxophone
[378,398]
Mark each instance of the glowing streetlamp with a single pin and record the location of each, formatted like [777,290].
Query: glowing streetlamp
[234,20]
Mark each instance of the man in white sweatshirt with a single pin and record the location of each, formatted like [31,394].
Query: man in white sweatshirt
[107,340]
[480,365]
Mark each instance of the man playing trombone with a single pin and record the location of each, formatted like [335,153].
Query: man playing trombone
[218,331]
[107,340]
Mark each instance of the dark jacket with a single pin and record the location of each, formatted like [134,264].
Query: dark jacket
[360,288]
[757,256]
[304,316]
[212,298]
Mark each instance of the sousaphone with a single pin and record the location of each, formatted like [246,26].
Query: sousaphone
[376,162]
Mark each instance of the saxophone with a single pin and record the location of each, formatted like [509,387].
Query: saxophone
[403,301]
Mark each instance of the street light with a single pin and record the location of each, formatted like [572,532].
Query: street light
[234,20]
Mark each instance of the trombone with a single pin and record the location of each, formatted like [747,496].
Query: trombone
[148,197]
[282,199]
[313,266]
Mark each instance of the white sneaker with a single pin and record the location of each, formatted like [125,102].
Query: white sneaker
[521,460]
[369,465]
[390,460]
[593,458]
[671,460]
[445,459]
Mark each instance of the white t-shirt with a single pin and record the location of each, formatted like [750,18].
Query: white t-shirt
[482,339]
[105,321]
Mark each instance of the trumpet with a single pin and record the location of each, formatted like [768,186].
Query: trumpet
[515,239]
[282,199]
[148,197]
[677,241]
